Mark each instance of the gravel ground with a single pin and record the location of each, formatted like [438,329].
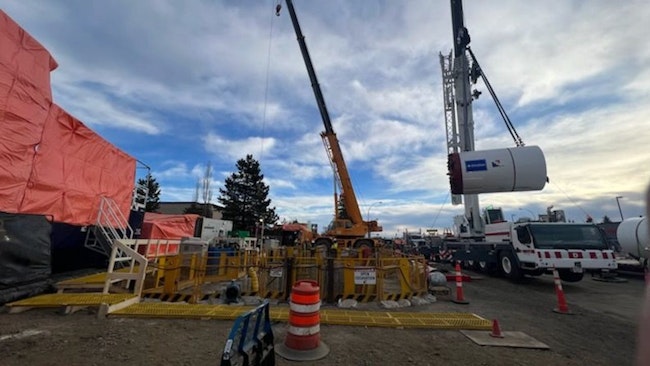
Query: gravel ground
[602,332]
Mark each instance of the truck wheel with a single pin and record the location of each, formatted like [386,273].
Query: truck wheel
[488,268]
[509,266]
[365,245]
[568,276]
[482,266]
[323,242]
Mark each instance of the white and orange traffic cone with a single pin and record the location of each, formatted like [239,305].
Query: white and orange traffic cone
[460,298]
[562,307]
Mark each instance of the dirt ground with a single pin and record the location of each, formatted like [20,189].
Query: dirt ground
[602,332]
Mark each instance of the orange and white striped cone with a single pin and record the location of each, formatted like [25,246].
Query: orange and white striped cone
[303,341]
[460,298]
[562,307]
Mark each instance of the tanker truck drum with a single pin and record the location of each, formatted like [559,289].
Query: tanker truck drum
[632,235]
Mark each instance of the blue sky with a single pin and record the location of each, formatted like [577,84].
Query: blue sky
[180,84]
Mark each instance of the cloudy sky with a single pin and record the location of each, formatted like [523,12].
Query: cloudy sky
[180,84]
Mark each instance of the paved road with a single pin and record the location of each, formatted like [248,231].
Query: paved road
[602,331]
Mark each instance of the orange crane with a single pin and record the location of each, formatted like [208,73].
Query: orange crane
[348,227]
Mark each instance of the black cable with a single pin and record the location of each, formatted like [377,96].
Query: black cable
[504,115]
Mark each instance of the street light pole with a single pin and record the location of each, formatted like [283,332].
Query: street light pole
[619,206]
[368,215]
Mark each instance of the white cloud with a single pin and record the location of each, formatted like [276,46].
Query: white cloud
[237,149]
[212,81]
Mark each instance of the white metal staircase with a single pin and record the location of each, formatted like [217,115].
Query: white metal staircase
[111,225]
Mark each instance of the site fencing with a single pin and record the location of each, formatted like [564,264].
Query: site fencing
[341,274]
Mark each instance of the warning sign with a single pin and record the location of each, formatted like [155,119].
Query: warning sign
[276,272]
[365,276]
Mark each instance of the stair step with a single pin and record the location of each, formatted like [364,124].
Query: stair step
[123,259]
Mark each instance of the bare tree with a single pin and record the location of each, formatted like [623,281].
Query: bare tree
[207,191]
[204,186]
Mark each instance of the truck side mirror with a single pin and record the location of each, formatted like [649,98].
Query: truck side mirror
[522,235]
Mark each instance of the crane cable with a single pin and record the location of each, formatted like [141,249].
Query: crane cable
[502,111]
[435,219]
[266,83]
[572,201]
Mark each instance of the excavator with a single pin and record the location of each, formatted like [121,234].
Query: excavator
[347,229]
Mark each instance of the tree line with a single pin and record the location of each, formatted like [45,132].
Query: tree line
[243,197]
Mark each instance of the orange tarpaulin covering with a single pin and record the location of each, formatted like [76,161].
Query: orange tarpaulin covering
[159,226]
[25,98]
[50,162]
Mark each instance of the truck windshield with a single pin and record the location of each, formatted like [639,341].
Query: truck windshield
[567,236]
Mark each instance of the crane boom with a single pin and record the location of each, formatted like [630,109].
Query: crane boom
[348,221]
[464,121]
[320,100]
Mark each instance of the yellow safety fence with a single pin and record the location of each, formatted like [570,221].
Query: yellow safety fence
[342,274]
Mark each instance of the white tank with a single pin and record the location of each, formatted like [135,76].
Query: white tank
[632,235]
[501,170]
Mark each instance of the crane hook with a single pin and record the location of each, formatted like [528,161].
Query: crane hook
[277,9]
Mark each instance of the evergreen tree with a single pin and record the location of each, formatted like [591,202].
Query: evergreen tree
[153,193]
[244,197]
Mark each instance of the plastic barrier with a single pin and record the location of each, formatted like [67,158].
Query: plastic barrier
[250,342]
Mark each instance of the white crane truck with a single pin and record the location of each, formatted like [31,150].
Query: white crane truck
[488,241]
[533,248]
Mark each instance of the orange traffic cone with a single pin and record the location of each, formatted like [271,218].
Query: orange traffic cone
[460,299]
[496,330]
[303,341]
[562,307]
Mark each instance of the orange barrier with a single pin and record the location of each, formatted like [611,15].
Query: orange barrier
[303,341]
[460,298]
[562,307]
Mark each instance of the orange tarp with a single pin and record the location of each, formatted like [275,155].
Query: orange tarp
[159,226]
[25,98]
[50,162]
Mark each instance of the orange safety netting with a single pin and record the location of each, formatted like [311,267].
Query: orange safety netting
[50,162]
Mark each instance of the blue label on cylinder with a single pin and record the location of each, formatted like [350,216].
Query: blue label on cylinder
[475,165]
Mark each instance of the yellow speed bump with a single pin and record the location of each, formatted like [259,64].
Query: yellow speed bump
[327,316]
